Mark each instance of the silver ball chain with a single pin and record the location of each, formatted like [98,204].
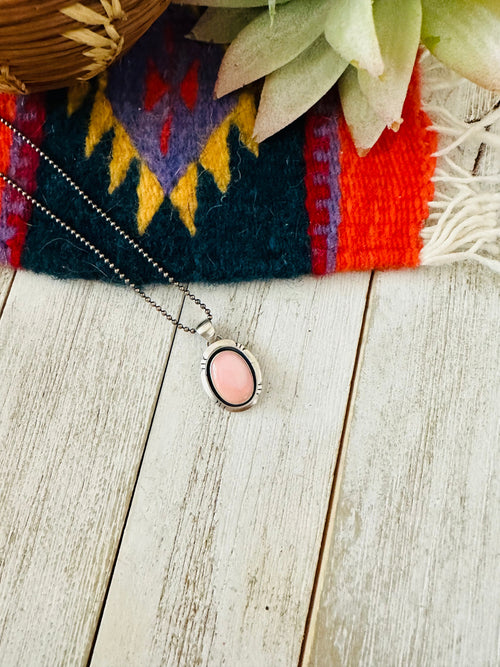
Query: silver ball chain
[116,270]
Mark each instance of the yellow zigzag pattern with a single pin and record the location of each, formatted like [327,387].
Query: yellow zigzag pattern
[149,191]
[214,157]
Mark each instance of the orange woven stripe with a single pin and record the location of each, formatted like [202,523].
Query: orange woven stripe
[385,195]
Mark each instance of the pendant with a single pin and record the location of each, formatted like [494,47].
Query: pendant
[230,374]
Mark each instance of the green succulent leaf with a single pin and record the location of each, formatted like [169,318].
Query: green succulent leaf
[465,35]
[293,89]
[350,29]
[365,125]
[287,41]
[262,47]
[221,26]
[398,29]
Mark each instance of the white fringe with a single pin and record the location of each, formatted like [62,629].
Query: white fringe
[464,223]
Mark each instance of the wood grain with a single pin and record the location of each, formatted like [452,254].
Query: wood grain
[81,369]
[219,553]
[410,574]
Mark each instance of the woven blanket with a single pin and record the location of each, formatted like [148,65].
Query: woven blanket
[181,173]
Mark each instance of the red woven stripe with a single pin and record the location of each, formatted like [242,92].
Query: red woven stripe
[385,195]
[21,163]
[316,217]
[8,111]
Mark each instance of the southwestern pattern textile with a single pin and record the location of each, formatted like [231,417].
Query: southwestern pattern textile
[180,172]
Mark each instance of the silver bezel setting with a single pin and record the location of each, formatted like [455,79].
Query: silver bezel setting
[210,352]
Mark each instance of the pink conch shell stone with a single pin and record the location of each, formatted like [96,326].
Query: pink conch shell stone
[231,377]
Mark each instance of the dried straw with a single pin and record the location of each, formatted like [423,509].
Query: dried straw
[54,43]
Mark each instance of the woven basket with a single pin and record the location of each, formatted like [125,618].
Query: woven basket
[51,44]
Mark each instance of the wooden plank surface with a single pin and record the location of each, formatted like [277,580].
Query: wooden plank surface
[410,572]
[218,557]
[219,553]
[74,416]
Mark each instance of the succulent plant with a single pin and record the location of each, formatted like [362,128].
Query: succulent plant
[304,47]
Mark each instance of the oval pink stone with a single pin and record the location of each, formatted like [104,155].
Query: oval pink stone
[231,377]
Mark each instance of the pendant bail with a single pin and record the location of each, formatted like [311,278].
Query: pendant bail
[207,331]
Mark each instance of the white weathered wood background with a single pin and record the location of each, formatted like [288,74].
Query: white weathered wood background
[350,519]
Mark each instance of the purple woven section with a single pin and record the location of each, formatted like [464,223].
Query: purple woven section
[179,79]
[322,179]
[6,231]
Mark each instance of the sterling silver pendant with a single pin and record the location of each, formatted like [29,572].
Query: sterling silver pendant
[230,374]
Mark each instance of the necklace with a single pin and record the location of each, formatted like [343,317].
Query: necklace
[230,374]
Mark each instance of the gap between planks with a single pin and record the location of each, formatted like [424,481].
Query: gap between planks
[324,563]
[7,277]
[64,430]
[336,477]
[336,482]
[330,523]
[134,486]
[161,607]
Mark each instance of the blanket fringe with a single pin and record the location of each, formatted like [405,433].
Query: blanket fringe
[464,224]
[464,220]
